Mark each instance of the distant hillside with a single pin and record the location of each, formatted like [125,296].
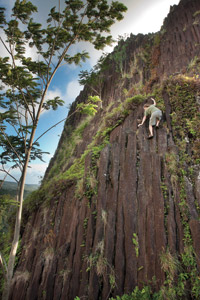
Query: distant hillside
[11,188]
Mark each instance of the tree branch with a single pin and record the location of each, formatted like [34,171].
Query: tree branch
[19,120]
[2,181]
[8,174]
[11,146]
[5,46]
[55,125]
[19,88]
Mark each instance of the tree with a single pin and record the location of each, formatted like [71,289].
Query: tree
[95,77]
[25,81]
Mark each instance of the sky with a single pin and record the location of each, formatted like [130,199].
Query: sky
[142,16]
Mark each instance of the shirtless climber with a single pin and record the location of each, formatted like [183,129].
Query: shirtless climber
[156,115]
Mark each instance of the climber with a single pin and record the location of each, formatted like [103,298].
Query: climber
[156,115]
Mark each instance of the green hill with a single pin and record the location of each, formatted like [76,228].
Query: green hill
[11,188]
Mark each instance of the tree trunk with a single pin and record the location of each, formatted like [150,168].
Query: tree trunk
[15,242]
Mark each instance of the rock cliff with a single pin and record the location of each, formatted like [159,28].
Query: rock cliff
[117,212]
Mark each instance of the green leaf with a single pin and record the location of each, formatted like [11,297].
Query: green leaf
[77,58]
[9,72]
[87,108]
[54,103]
[23,10]
[2,17]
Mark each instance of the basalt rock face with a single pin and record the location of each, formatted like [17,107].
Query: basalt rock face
[181,37]
[136,205]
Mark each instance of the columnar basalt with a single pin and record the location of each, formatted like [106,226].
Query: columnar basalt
[131,202]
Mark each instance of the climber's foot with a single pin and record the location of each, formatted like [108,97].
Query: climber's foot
[150,136]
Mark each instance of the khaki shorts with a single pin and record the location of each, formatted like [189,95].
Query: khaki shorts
[156,115]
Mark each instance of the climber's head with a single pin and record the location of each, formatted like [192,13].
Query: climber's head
[146,106]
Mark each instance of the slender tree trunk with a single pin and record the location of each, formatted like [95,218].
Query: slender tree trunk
[15,242]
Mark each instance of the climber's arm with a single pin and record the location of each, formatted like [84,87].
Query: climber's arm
[143,120]
[154,101]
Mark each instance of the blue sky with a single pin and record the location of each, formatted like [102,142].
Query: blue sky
[143,16]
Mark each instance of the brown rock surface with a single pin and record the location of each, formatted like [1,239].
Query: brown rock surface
[84,247]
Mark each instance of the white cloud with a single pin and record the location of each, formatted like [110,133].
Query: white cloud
[51,94]
[72,91]
[32,52]
[56,92]
[154,17]
[34,173]
[68,95]
[143,16]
